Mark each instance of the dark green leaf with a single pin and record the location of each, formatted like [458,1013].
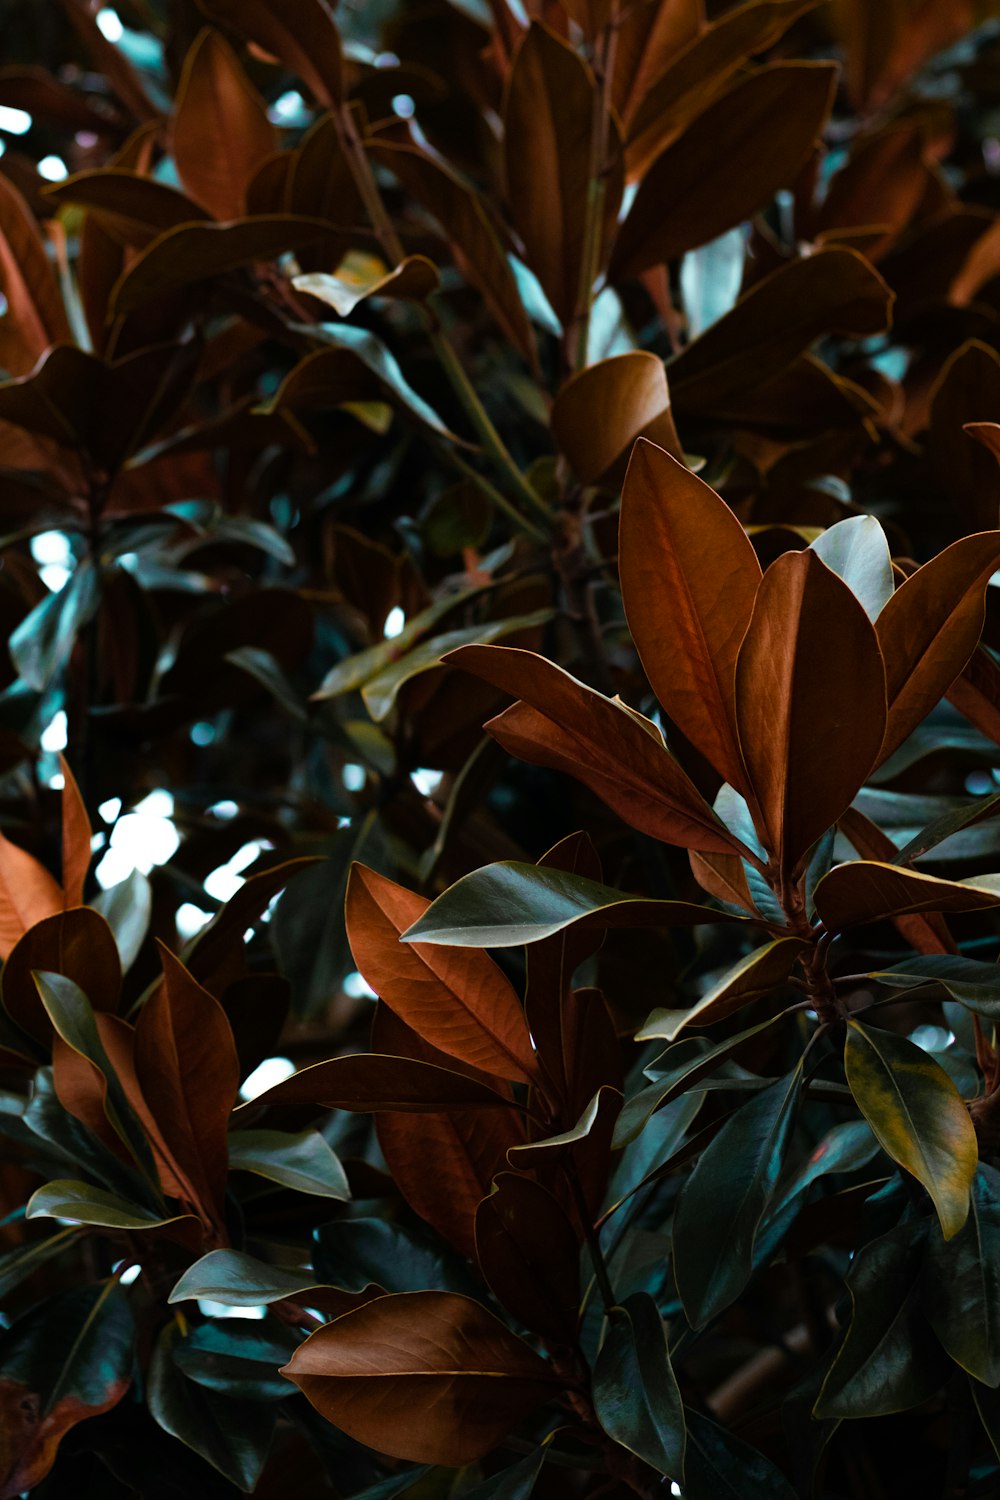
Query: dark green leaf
[719,1466]
[83,1204]
[304,1161]
[238,1359]
[961,1291]
[972,982]
[635,1390]
[355,1253]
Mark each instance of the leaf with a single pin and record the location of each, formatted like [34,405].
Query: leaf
[973,813]
[304,1161]
[723,1201]
[751,978]
[220,132]
[889,1360]
[359,277]
[214,943]
[64,1361]
[635,1392]
[80,1203]
[370,1082]
[689,579]
[515,1483]
[718,1465]
[130,208]
[774,324]
[302,33]
[457,1000]
[548,106]
[728,163]
[18,1264]
[357,1253]
[34,314]
[810,721]
[710,280]
[961,1284]
[237,1359]
[187,1070]
[508,904]
[566,726]
[127,908]
[601,410]
[475,246]
[233,1437]
[193,253]
[967,980]
[918,1116]
[427,1376]
[867,891]
[77,944]
[28,894]
[529,1256]
[239,1280]
[40,646]
[857,551]
[929,629]
[359,368]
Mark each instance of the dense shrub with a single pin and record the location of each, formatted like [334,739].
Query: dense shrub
[623,378]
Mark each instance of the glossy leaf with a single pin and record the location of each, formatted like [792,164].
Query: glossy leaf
[930,628]
[867,891]
[506,905]
[725,1198]
[428,1376]
[79,1203]
[237,1359]
[458,1000]
[239,1280]
[810,722]
[370,1082]
[918,1116]
[857,551]
[359,1253]
[752,978]
[359,277]
[34,307]
[961,1291]
[77,944]
[719,1465]
[220,132]
[689,578]
[28,894]
[971,982]
[600,411]
[635,1390]
[304,1162]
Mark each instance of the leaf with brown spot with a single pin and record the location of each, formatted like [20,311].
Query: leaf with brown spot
[220,132]
[456,999]
[689,580]
[810,702]
[427,1376]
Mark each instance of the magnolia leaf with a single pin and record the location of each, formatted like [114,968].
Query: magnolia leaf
[971,982]
[237,1359]
[304,1162]
[361,276]
[857,551]
[868,891]
[370,1082]
[239,1280]
[220,132]
[753,977]
[80,1203]
[635,1390]
[961,1290]
[918,1116]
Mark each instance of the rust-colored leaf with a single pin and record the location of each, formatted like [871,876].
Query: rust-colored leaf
[930,627]
[689,579]
[76,835]
[455,998]
[78,944]
[427,1376]
[35,317]
[188,1072]
[866,891]
[220,132]
[28,894]
[728,163]
[601,410]
[302,33]
[810,702]
[529,1255]
[926,933]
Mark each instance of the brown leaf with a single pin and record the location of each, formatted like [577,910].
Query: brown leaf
[548,110]
[427,1376]
[131,208]
[35,317]
[854,894]
[220,132]
[883,181]
[810,702]
[976,693]
[77,944]
[722,876]
[76,836]
[475,247]
[927,934]
[187,1070]
[569,727]
[600,411]
[529,1256]
[689,579]
[650,37]
[370,1082]
[966,394]
[454,998]
[728,164]
[831,291]
[930,627]
[28,894]
[301,33]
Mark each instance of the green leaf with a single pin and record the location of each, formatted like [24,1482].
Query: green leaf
[354,671]
[949,823]
[635,1390]
[725,1198]
[83,1204]
[40,646]
[71,1014]
[304,1161]
[127,908]
[889,1359]
[508,904]
[238,1359]
[750,978]
[961,1290]
[233,1436]
[18,1264]
[606,1101]
[74,1348]
[918,1116]
[719,1466]
[356,1253]
[968,980]
[515,1483]
[239,1280]
[857,551]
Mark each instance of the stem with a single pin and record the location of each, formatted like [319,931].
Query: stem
[501,502]
[593,1243]
[360,169]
